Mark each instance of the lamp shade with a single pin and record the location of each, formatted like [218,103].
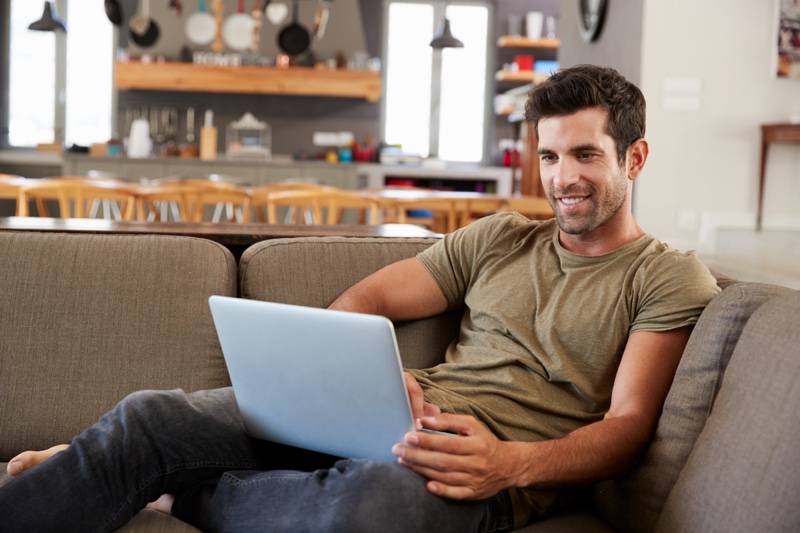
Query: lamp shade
[49,21]
[445,39]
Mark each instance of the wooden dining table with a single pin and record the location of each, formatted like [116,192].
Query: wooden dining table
[235,237]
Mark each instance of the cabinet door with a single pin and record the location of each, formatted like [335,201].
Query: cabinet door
[531,179]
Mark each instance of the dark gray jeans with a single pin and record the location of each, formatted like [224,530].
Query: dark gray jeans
[194,446]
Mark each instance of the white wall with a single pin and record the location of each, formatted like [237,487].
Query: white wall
[703,168]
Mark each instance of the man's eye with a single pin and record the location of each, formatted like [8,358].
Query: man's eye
[547,158]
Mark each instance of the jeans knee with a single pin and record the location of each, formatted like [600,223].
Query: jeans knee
[378,496]
[147,408]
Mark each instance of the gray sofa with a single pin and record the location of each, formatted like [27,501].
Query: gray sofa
[87,319]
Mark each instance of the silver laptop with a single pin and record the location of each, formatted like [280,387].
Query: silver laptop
[322,380]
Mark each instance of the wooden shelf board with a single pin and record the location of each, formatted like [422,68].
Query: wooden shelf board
[304,81]
[509,41]
[522,76]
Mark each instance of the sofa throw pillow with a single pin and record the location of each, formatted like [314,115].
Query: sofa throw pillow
[744,472]
[634,503]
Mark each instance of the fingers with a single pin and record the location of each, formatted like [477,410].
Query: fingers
[415,396]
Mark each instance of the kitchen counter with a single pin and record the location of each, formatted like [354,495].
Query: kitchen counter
[463,177]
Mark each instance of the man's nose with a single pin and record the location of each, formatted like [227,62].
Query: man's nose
[566,174]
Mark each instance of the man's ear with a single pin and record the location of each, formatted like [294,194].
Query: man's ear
[637,155]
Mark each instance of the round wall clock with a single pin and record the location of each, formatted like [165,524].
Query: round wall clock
[590,18]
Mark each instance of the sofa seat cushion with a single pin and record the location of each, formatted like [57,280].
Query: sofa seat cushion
[87,319]
[744,472]
[314,271]
[634,502]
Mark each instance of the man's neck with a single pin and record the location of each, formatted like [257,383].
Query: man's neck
[602,240]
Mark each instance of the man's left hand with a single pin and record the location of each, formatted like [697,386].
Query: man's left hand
[472,465]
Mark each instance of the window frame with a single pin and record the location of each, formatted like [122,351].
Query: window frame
[59,103]
[439,7]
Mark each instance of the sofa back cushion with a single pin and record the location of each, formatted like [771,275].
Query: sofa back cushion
[744,472]
[633,503]
[88,319]
[314,271]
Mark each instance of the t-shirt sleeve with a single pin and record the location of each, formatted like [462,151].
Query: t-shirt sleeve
[673,290]
[456,260]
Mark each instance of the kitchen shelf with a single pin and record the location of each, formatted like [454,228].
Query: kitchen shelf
[510,41]
[303,81]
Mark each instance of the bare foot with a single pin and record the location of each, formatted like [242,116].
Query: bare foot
[26,460]
[163,504]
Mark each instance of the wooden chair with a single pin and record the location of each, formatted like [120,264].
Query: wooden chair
[185,203]
[236,201]
[533,207]
[162,204]
[75,197]
[10,186]
[336,203]
[307,202]
[181,199]
[471,209]
[439,212]
[259,199]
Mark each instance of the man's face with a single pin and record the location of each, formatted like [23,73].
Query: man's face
[582,178]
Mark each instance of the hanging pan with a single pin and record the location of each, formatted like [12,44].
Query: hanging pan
[294,38]
[238,29]
[144,30]
[200,27]
[113,11]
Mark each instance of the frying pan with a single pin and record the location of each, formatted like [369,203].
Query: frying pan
[144,30]
[113,11]
[294,38]
[237,31]
[200,27]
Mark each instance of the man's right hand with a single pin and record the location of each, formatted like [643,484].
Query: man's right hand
[419,407]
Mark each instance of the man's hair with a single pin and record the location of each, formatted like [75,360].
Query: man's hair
[586,86]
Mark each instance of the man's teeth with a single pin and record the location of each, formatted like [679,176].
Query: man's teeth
[569,201]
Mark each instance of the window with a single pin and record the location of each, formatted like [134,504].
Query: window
[56,82]
[436,100]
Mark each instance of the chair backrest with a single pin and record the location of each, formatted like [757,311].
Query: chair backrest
[259,201]
[234,201]
[157,203]
[337,202]
[533,207]
[10,190]
[76,196]
[472,209]
[305,206]
[438,214]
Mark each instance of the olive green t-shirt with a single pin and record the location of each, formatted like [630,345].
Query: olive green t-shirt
[544,329]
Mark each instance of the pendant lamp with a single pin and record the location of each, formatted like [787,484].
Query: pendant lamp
[49,21]
[445,39]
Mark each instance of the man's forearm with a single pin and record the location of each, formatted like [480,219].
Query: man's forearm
[608,448]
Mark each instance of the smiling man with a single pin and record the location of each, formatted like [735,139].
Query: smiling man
[571,333]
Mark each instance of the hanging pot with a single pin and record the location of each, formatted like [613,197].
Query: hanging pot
[238,29]
[144,30]
[294,38]
[200,27]
[113,11]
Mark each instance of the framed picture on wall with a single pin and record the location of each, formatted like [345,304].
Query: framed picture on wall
[788,39]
